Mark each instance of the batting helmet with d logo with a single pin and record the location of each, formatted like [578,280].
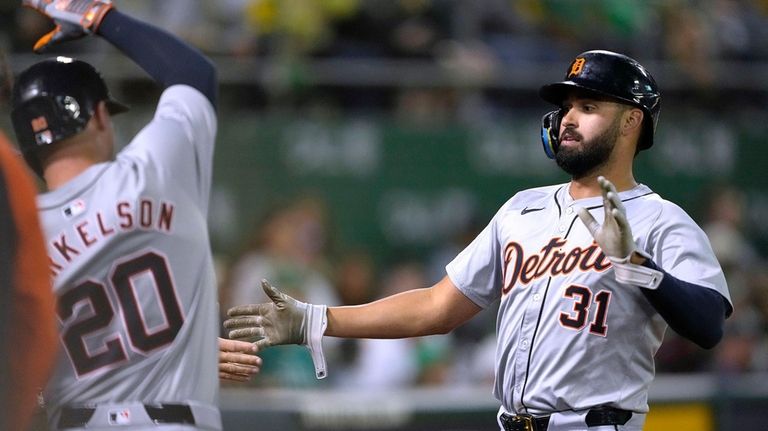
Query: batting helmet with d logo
[605,74]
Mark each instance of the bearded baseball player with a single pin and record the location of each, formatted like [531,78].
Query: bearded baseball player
[584,304]
[126,235]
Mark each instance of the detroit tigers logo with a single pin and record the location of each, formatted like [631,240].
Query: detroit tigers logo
[550,261]
[577,66]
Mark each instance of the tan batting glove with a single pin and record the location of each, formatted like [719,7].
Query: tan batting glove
[615,238]
[73,18]
[282,321]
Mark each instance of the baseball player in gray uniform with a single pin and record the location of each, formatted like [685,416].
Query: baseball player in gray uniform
[127,235]
[584,304]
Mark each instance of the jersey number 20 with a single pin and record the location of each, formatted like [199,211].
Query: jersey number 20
[142,339]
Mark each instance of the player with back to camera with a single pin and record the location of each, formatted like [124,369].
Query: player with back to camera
[127,234]
[584,305]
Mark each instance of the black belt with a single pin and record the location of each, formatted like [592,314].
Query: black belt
[597,416]
[524,422]
[78,417]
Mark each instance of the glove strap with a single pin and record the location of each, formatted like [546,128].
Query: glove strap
[95,14]
[635,275]
[317,322]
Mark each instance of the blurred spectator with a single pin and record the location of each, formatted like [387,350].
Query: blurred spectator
[725,226]
[689,41]
[425,107]
[355,277]
[472,345]
[733,38]
[397,363]
[723,222]
[296,26]
[759,293]
[288,248]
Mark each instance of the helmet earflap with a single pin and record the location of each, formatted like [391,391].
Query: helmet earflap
[550,129]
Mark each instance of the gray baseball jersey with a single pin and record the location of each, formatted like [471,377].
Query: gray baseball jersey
[569,337]
[132,266]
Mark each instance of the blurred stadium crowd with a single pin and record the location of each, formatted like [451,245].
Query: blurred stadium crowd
[293,244]
[688,32]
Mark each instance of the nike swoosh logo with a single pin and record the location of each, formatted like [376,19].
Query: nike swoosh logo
[527,210]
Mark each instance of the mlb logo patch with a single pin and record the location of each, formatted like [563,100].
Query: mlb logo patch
[75,208]
[119,417]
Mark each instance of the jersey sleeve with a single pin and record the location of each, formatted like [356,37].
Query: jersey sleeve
[681,248]
[477,271]
[177,145]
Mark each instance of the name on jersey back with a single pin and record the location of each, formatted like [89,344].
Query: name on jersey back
[95,226]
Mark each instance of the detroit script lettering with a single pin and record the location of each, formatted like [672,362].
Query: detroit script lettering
[550,261]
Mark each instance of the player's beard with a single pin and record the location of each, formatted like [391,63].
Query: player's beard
[583,160]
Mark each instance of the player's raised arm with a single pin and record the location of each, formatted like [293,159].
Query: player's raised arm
[418,312]
[693,311]
[166,58]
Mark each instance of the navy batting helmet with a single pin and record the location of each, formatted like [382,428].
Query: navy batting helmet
[53,100]
[606,74]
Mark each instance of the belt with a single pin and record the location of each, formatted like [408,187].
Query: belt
[78,417]
[597,416]
[607,416]
[524,422]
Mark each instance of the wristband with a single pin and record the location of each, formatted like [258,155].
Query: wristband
[317,321]
[635,275]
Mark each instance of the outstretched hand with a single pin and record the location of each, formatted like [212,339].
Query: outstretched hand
[278,322]
[73,18]
[614,236]
[237,360]
[282,321]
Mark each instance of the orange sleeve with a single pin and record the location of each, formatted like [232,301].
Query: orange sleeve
[29,323]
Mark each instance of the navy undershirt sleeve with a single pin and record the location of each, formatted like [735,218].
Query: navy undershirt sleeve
[693,311]
[166,58]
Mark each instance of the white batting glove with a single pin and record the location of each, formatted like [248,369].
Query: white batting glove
[73,18]
[615,235]
[615,238]
[283,321]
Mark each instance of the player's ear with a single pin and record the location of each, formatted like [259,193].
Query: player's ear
[101,116]
[632,121]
